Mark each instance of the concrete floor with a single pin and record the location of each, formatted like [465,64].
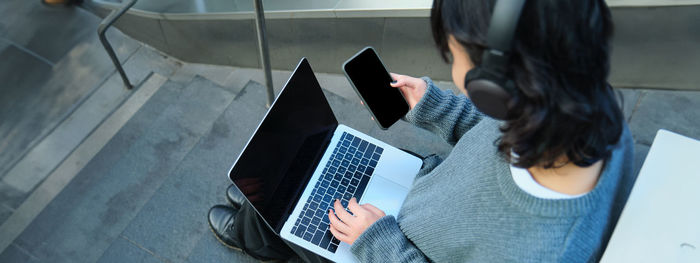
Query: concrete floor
[136,171]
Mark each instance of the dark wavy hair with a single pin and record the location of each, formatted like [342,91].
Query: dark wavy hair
[560,63]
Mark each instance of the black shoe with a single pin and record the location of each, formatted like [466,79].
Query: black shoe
[221,219]
[235,197]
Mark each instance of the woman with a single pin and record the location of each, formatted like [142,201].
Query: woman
[546,184]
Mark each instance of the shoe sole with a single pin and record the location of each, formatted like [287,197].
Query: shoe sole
[224,243]
[237,248]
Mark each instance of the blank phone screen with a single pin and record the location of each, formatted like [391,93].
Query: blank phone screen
[372,82]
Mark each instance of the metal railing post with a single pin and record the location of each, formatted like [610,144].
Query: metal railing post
[264,53]
[102,29]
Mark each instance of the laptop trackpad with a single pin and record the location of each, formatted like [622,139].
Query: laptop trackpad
[385,195]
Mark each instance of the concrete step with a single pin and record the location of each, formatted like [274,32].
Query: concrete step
[51,118]
[172,225]
[69,168]
[37,96]
[94,208]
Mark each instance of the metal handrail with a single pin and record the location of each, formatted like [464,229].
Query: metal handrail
[263,47]
[102,29]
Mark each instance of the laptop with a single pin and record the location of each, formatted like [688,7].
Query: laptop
[300,159]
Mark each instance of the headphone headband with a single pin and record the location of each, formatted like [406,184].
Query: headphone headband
[488,86]
[504,21]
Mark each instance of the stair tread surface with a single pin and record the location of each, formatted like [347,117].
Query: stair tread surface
[98,204]
[173,222]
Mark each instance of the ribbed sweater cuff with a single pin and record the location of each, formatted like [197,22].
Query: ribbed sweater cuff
[384,241]
[431,102]
[375,237]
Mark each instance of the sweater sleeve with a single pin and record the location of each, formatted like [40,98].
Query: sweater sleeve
[384,241]
[445,114]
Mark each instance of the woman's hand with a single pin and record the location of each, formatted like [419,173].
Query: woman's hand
[348,227]
[412,88]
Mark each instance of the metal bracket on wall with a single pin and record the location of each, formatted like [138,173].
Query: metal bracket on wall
[102,29]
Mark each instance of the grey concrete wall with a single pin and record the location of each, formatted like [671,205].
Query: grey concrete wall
[654,47]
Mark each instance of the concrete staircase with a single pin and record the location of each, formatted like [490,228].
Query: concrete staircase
[128,176]
[144,196]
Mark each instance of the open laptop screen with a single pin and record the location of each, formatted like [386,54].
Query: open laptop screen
[279,159]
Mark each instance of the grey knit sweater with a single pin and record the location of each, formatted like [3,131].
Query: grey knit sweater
[468,208]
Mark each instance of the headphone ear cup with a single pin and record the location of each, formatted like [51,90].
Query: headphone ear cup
[487,95]
[472,74]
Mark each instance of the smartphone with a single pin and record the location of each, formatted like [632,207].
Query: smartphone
[371,81]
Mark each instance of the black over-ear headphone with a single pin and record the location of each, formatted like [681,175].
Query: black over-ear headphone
[488,87]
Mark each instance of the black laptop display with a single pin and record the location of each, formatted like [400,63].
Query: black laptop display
[279,160]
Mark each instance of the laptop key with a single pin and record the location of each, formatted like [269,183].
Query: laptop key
[342,188]
[326,239]
[327,198]
[369,171]
[370,149]
[364,161]
[346,143]
[312,227]
[332,247]
[354,182]
[325,205]
[327,176]
[308,236]
[345,181]
[363,146]
[319,213]
[351,189]
[358,155]
[355,161]
[317,237]
[372,163]
[375,157]
[361,187]
[379,150]
[367,154]
[300,231]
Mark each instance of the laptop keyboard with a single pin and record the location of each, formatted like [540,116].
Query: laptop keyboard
[345,175]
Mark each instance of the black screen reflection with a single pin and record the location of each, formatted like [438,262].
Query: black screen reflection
[279,160]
